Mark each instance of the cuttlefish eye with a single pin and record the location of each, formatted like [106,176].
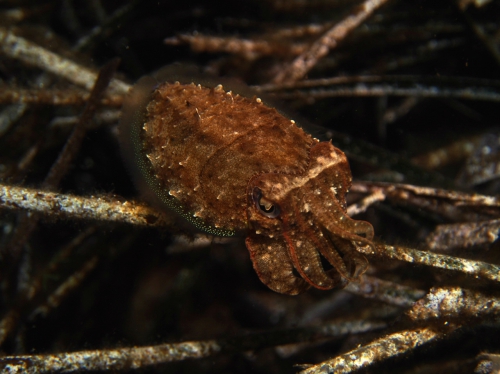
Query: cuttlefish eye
[265,207]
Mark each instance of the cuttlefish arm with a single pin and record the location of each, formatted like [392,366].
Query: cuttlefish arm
[271,261]
[298,220]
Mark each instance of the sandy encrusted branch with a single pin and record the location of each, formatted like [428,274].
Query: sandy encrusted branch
[104,208]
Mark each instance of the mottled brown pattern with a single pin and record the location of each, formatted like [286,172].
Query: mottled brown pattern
[209,137]
[230,163]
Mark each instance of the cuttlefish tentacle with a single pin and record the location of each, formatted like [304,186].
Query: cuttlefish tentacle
[345,235]
[302,244]
[313,239]
[333,257]
[352,258]
[338,223]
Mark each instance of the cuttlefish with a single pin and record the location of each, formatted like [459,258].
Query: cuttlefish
[230,164]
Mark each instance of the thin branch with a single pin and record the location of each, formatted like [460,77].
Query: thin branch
[388,292]
[460,82]
[455,303]
[379,350]
[141,357]
[361,90]
[404,191]
[448,154]
[52,96]
[463,235]
[102,208]
[489,363]
[72,145]
[108,25]
[454,205]
[31,53]
[319,49]
[10,115]
[478,269]
[65,289]
[248,48]
[100,118]
[114,359]
[364,204]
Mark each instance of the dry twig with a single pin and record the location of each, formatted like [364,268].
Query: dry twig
[101,208]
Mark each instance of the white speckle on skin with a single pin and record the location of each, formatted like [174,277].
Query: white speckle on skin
[298,244]
[322,160]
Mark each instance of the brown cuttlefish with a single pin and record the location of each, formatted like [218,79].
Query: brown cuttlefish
[228,163]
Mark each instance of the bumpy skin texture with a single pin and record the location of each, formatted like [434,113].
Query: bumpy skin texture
[229,163]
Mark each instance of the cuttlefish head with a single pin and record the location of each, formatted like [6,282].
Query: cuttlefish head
[299,233]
